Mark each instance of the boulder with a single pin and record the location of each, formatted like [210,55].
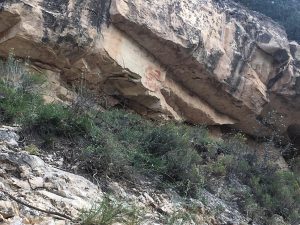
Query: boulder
[30,180]
[9,136]
[202,61]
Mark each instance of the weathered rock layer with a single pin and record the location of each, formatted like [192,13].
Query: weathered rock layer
[201,61]
[27,183]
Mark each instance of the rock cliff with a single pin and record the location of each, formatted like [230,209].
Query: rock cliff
[201,61]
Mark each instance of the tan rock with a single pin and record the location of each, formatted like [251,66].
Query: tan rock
[205,62]
[47,188]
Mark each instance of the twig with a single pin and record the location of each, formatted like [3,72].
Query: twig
[35,208]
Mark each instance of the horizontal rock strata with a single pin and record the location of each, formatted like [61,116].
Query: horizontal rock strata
[202,61]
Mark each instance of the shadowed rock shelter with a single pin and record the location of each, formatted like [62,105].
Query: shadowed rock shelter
[203,62]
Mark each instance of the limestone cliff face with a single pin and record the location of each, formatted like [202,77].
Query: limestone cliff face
[200,61]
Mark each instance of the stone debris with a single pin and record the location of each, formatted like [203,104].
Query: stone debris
[29,179]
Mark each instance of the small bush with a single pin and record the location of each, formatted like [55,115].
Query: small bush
[172,144]
[165,139]
[222,166]
[57,119]
[32,149]
[29,110]
[17,106]
[277,191]
[273,191]
[108,212]
[15,74]
[107,156]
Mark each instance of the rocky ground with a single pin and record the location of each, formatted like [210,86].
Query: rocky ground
[28,179]
[35,192]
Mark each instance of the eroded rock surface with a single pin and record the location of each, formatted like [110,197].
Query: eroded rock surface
[30,180]
[201,61]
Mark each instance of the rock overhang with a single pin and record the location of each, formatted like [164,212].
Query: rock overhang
[198,61]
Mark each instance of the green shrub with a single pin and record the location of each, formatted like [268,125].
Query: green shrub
[172,145]
[15,74]
[274,191]
[12,71]
[123,142]
[57,119]
[222,166]
[127,142]
[278,192]
[110,211]
[166,138]
[16,105]
[28,109]
[106,156]
[32,149]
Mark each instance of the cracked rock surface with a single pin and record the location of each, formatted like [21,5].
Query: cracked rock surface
[30,180]
[202,61]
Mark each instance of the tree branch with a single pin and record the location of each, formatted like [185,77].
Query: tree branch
[36,208]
